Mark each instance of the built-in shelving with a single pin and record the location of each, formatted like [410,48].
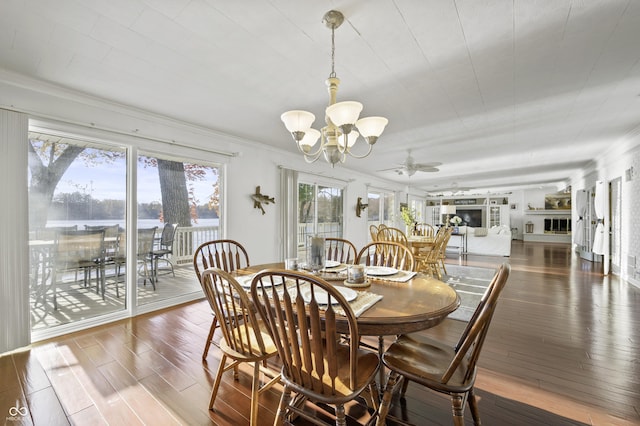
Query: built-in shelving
[550,212]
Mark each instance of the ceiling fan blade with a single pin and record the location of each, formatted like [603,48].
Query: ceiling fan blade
[421,168]
[428,165]
[391,168]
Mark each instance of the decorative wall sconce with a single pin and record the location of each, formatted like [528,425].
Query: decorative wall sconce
[360,207]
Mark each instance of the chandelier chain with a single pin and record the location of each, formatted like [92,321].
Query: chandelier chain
[333,53]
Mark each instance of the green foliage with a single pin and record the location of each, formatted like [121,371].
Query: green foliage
[408,216]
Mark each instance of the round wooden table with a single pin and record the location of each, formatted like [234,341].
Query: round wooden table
[418,304]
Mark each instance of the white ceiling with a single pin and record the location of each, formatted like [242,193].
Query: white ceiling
[505,94]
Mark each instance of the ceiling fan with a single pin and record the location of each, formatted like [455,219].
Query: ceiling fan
[409,167]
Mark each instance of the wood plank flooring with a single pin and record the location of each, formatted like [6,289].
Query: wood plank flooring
[563,349]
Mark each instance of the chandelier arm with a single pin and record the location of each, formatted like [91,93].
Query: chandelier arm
[312,154]
[313,158]
[360,156]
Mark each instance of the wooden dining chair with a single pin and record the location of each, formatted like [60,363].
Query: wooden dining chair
[387,253]
[373,230]
[392,234]
[425,230]
[224,254]
[439,366]
[245,337]
[443,248]
[316,365]
[340,250]
[430,259]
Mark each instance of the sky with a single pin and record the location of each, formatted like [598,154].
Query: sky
[108,181]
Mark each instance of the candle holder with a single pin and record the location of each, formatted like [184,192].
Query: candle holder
[316,257]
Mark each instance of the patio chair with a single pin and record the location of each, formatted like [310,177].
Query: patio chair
[78,251]
[144,254]
[165,249]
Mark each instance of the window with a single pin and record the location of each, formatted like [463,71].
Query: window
[320,212]
[380,210]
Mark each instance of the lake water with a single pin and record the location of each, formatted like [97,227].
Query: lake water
[144,223]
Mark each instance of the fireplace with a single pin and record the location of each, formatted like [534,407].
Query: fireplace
[557,226]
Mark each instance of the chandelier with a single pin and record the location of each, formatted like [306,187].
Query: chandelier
[342,124]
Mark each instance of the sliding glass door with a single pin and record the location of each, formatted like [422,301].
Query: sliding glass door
[179,204]
[77,200]
[320,212]
[85,261]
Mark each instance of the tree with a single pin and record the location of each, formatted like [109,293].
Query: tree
[47,162]
[175,197]
[50,157]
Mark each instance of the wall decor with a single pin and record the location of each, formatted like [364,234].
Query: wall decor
[260,199]
[557,201]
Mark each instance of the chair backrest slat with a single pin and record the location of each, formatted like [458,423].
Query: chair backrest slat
[386,253]
[224,254]
[340,250]
[305,327]
[230,302]
[392,234]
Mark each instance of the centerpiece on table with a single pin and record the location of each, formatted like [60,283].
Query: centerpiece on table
[409,219]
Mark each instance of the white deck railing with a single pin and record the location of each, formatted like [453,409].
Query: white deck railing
[188,239]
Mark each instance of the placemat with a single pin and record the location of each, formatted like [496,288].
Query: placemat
[400,276]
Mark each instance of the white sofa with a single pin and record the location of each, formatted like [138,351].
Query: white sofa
[495,241]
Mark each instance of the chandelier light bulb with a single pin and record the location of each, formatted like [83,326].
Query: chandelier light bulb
[309,139]
[297,121]
[371,128]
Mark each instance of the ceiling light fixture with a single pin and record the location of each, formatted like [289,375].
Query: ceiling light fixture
[339,135]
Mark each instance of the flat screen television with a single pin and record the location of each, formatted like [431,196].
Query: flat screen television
[471,217]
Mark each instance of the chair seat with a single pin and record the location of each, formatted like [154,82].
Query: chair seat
[368,363]
[161,252]
[435,358]
[247,334]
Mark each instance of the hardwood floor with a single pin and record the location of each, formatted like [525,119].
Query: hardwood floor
[563,349]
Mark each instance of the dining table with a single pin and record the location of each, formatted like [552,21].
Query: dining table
[402,306]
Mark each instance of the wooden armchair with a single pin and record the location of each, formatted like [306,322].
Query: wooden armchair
[227,255]
[304,325]
[245,336]
[440,367]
